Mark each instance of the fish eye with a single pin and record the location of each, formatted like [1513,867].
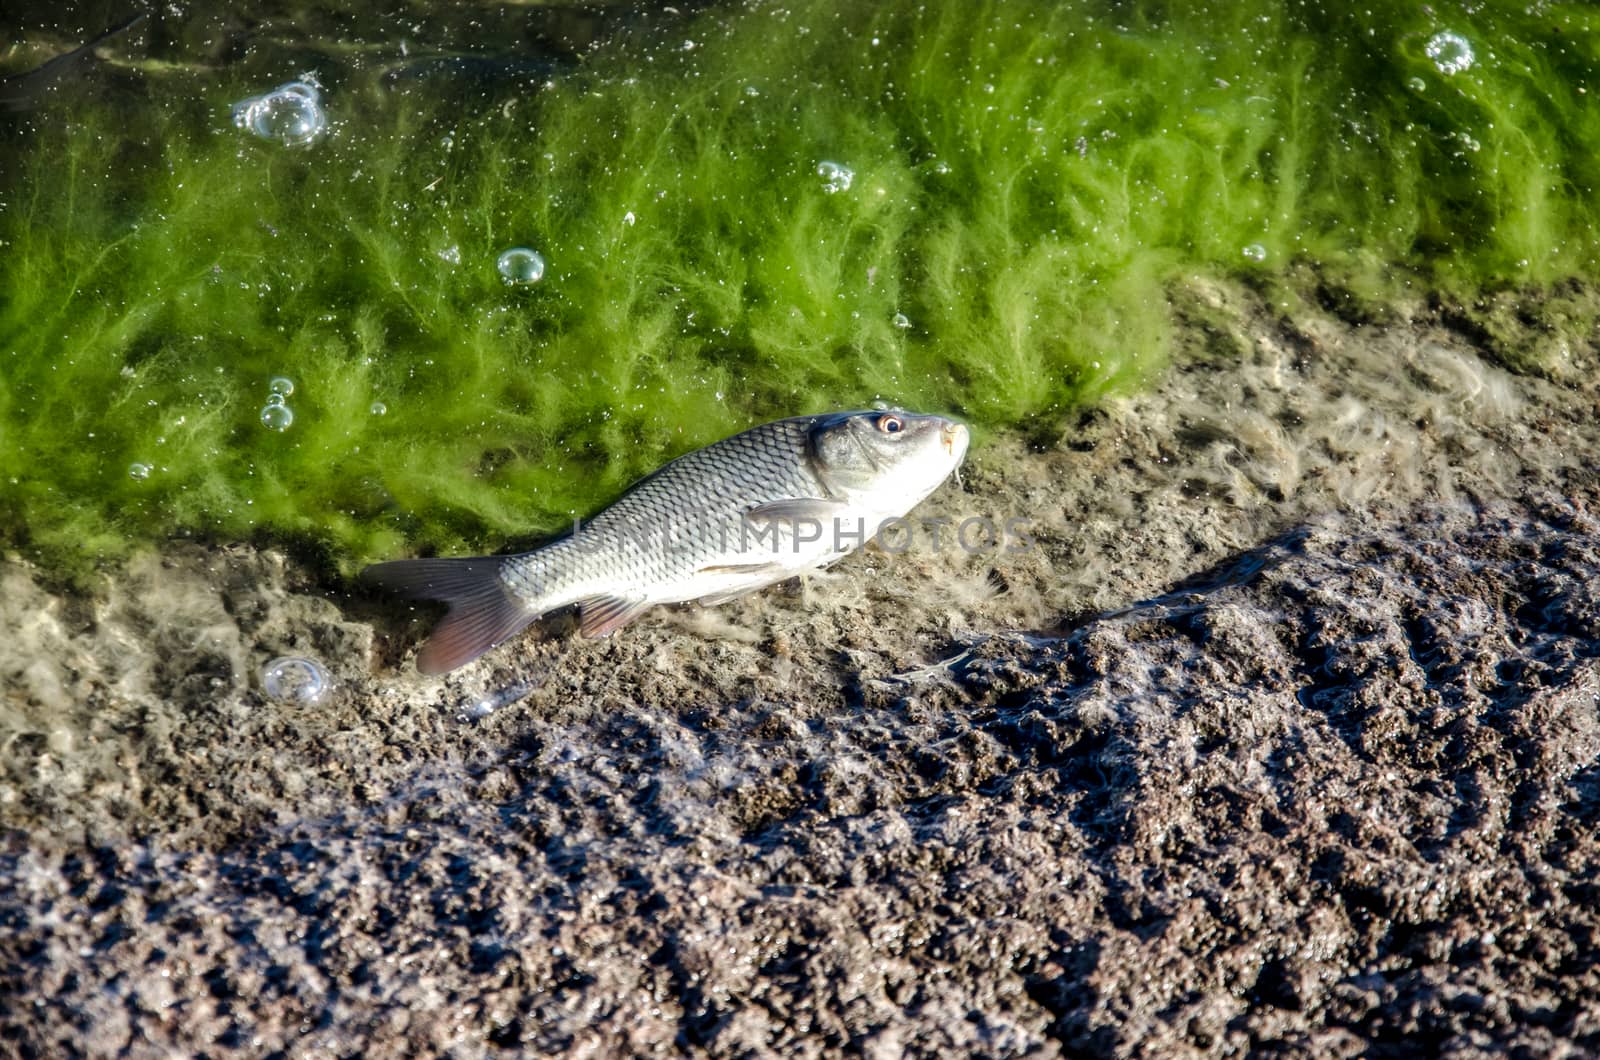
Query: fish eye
[891,424]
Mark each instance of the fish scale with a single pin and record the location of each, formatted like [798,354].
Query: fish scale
[702,495]
[711,525]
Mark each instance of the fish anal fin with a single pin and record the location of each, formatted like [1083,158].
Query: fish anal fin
[797,509]
[602,616]
[482,614]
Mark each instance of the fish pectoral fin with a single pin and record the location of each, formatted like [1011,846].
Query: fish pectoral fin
[797,509]
[755,576]
[752,570]
[728,597]
[604,615]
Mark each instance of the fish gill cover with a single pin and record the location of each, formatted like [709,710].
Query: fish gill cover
[733,215]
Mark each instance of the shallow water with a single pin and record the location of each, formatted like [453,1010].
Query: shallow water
[729,213]
[1303,728]
[1281,736]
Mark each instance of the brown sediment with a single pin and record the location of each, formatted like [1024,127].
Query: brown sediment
[1283,732]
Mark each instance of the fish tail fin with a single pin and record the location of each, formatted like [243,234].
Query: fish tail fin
[483,613]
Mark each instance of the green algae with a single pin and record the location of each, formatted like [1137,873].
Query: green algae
[1027,184]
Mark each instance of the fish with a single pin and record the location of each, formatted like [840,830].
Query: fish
[28,90]
[714,524]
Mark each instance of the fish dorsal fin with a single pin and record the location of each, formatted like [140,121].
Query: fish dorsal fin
[604,615]
[797,509]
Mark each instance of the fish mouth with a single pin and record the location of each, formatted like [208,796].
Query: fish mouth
[952,436]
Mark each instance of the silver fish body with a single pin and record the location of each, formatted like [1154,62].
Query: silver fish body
[712,525]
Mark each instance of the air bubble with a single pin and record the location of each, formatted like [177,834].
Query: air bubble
[450,255]
[835,177]
[1255,252]
[521,266]
[902,321]
[378,408]
[139,471]
[305,89]
[276,417]
[281,385]
[1450,52]
[494,701]
[294,679]
[291,114]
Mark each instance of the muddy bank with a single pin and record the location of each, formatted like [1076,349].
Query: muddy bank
[1286,732]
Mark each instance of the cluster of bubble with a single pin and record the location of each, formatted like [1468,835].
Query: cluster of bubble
[835,177]
[521,267]
[295,679]
[276,415]
[1450,52]
[290,114]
